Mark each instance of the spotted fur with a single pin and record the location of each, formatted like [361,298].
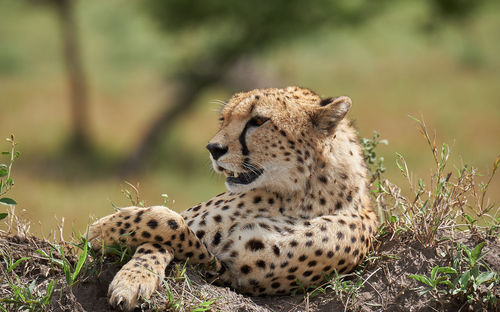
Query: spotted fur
[297,205]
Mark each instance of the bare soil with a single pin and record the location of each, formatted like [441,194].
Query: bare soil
[386,285]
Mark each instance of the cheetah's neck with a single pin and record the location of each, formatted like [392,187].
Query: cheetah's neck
[336,183]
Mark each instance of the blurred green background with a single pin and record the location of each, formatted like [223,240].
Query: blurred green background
[150,75]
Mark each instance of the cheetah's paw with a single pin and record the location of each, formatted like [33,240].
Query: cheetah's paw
[129,285]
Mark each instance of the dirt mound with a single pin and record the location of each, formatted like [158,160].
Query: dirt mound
[383,284]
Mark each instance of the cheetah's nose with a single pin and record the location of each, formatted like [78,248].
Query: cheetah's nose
[216,150]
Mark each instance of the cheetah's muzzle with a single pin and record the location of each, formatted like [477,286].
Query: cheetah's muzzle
[243,177]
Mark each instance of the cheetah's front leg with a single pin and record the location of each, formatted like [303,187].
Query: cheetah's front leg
[159,234]
[140,276]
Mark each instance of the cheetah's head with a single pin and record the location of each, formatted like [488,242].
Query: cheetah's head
[269,138]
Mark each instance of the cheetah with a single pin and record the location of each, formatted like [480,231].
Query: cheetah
[297,205]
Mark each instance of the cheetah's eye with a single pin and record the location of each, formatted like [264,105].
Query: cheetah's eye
[257,121]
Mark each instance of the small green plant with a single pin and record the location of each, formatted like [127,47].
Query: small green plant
[133,194]
[439,276]
[26,297]
[205,305]
[22,296]
[165,199]
[475,273]
[375,163]
[469,279]
[437,204]
[71,273]
[6,181]
[172,303]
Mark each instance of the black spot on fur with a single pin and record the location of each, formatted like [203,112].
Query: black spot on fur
[261,264]
[245,269]
[216,239]
[158,238]
[173,224]
[200,234]
[307,273]
[254,245]
[276,250]
[322,179]
[338,205]
[153,224]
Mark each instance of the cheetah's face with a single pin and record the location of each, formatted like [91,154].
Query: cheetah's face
[268,138]
[238,155]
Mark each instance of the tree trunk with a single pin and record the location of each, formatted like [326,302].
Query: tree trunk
[206,72]
[185,97]
[76,77]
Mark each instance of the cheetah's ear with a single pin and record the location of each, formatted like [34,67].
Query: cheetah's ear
[330,112]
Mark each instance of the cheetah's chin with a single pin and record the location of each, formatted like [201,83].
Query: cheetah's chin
[242,177]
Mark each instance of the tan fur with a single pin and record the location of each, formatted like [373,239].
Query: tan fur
[308,213]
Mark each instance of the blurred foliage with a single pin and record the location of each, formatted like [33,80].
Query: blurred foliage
[247,26]
[232,31]
[229,30]
[254,24]
[455,9]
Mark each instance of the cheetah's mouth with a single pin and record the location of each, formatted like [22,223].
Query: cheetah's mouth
[242,177]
